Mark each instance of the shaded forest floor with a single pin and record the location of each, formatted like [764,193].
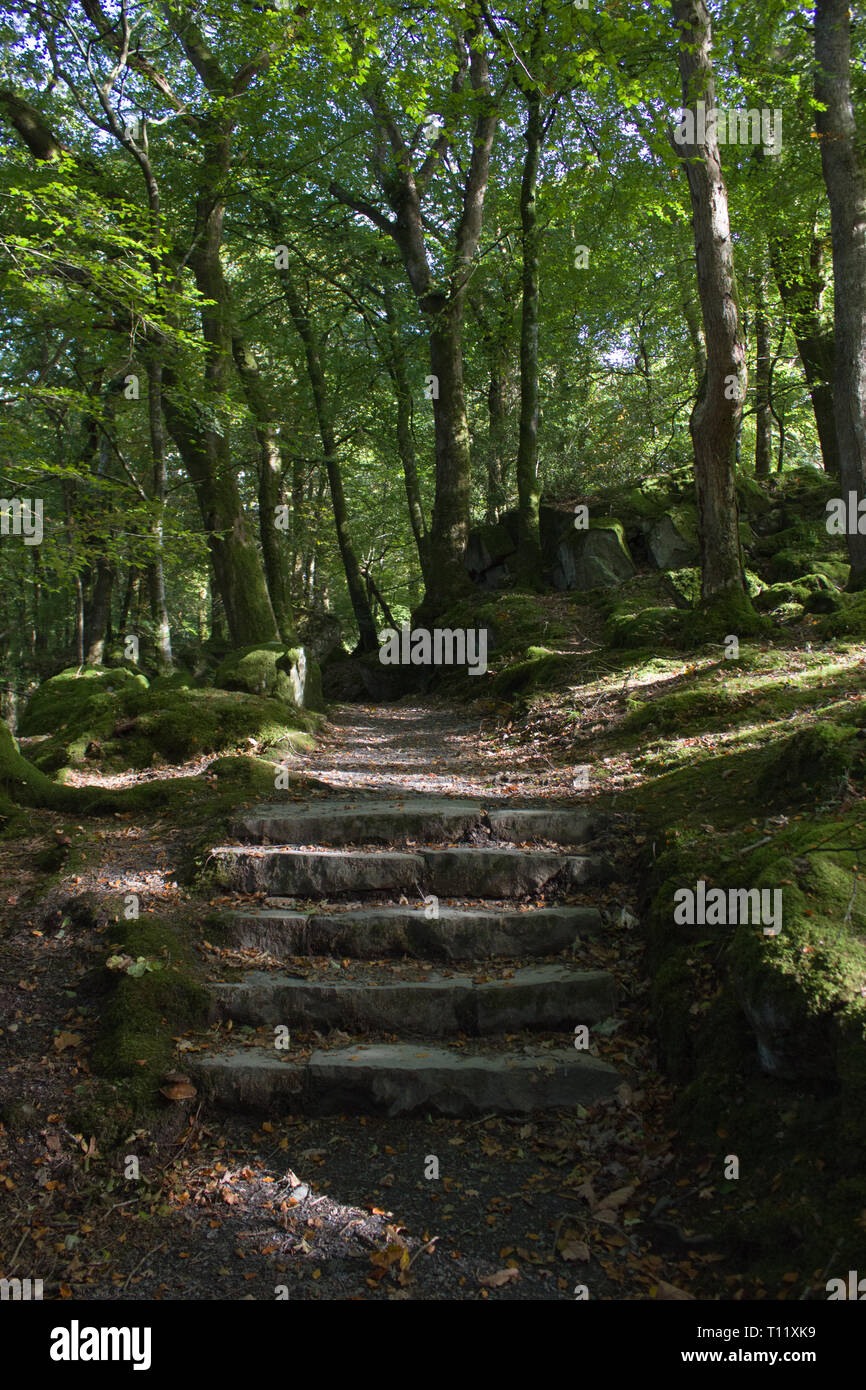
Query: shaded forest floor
[339,1208]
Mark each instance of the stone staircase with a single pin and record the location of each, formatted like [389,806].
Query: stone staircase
[442,1011]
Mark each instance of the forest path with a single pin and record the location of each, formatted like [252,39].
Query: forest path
[434,1205]
[431,748]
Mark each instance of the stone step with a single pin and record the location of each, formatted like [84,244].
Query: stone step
[376,822]
[452,934]
[449,873]
[400,1078]
[549,997]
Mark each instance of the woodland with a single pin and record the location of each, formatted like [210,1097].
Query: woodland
[325,326]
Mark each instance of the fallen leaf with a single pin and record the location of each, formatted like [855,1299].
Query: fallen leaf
[502,1276]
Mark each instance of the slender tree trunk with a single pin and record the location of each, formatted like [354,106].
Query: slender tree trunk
[98,613]
[845,179]
[237,569]
[528,559]
[274,548]
[156,567]
[763,414]
[691,314]
[451,508]
[496,434]
[643,363]
[368,639]
[299,511]
[801,289]
[716,414]
[126,601]
[405,435]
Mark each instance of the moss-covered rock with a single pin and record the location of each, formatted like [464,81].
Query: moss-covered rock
[595,558]
[648,627]
[672,539]
[815,759]
[772,596]
[271,669]
[849,620]
[68,697]
[538,671]
[143,1013]
[175,723]
[683,710]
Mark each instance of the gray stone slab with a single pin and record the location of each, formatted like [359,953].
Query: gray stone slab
[452,873]
[562,826]
[453,935]
[537,996]
[385,822]
[399,1079]
[361,822]
[402,1078]
[248,1078]
[303,874]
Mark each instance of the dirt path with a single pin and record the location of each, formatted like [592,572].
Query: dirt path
[429,748]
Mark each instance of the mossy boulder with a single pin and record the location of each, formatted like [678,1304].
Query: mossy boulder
[488,549]
[595,558]
[772,596]
[69,697]
[815,760]
[539,670]
[849,620]
[283,673]
[672,539]
[683,710]
[134,727]
[648,627]
[794,563]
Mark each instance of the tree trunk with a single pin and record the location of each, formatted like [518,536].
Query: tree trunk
[528,559]
[496,434]
[156,567]
[368,637]
[274,548]
[449,532]
[405,435]
[237,569]
[846,191]
[801,289]
[763,414]
[693,322]
[98,613]
[717,412]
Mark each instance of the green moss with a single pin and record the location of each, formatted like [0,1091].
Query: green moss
[794,564]
[272,669]
[815,759]
[849,620]
[22,784]
[175,724]
[539,670]
[773,596]
[728,614]
[683,710]
[69,698]
[511,620]
[143,1014]
[649,627]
